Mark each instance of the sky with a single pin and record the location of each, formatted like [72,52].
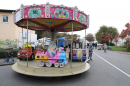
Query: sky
[115,13]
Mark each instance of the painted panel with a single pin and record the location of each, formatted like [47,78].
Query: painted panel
[82,18]
[17,16]
[52,46]
[61,13]
[8,43]
[34,12]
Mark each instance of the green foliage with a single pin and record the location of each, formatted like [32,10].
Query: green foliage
[90,37]
[41,34]
[14,51]
[106,31]
[38,34]
[111,44]
[118,48]
[58,35]
[128,49]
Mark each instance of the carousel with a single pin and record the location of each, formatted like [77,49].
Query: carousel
[55,61]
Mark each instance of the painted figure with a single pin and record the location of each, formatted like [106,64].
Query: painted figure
[82,18]
[34,13]
[60,13]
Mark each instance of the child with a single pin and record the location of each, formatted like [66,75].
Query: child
[90,52]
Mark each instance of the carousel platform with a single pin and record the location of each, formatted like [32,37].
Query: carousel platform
[34,70]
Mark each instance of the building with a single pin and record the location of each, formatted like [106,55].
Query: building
[8,30]
[120,41]
[32,37]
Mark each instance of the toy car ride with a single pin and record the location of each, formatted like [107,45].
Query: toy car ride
[23,53]
[77,52]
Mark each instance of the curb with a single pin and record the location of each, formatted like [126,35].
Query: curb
[124,53]
[121,52]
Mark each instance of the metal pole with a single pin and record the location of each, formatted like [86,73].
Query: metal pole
[22,38]
[71,47]
[43,42]
[27,43]
[85,44]
[85,39]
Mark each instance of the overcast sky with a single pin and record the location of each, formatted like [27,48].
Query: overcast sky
[115,13]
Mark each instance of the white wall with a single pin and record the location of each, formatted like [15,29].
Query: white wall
[120,42]
[32,37]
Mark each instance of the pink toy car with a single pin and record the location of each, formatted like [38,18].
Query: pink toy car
[59,58]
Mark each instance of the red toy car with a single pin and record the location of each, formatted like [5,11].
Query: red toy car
[23,53]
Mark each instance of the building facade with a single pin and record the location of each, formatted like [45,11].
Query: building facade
[8,30]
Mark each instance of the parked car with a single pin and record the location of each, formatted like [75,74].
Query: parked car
[98,44]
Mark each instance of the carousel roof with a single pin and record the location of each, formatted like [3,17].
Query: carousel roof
[50,17]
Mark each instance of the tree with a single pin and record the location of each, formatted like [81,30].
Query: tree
[90,37]
[104,32]
[116,40]
[38,34]
[60,35]
[41,34]
[122,35]
[103,39]
[128,41]
[127,32]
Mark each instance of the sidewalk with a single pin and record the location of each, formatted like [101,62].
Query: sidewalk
[127,53]
[2,60]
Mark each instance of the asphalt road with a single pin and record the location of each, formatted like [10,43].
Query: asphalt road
[106,69]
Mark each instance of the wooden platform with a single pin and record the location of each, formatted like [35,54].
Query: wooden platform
[34,70]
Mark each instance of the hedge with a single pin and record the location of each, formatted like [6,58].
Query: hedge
[118,48]
[14,51]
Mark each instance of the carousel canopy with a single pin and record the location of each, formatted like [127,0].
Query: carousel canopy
[50,17]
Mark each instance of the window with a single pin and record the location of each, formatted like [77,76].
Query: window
[5,19]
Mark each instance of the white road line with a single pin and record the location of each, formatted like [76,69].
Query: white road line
[113,65]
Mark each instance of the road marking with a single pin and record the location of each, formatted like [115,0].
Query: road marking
[113,65]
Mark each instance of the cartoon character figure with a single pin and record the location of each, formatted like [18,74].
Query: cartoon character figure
[62,14]
[34,12]
[52,46]
[57,12]
[82,18]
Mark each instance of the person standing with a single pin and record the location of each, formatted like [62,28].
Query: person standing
[95,45]
[33,46]
[105,48]
[90,52]
[8,55]
[87,45]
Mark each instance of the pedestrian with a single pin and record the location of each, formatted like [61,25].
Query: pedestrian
[95,45]
[90,52]
[87,45]
[8,56]
[33,46]
[105,48]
